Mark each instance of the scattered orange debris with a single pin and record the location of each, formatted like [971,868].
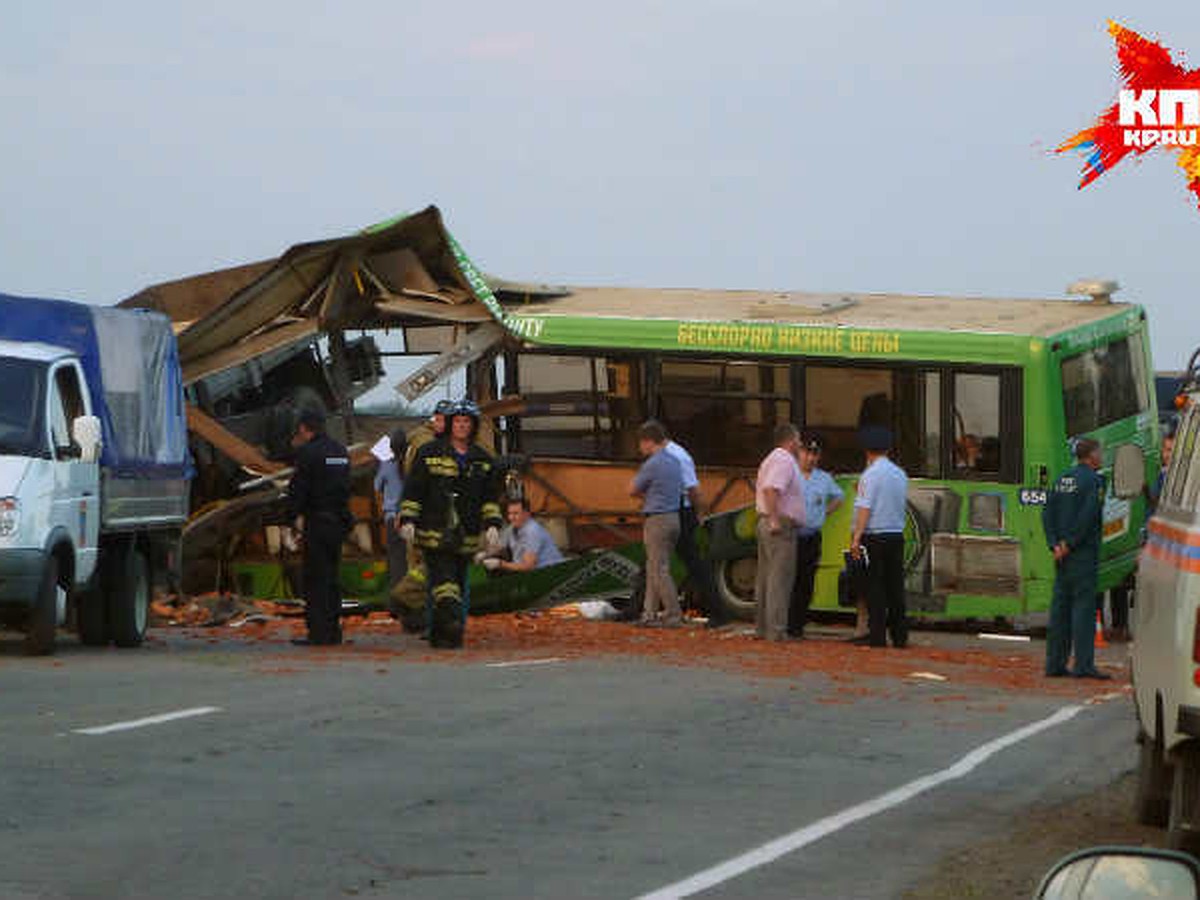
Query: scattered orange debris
[377,637]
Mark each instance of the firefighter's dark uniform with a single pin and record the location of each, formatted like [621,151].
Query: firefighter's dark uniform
[451,499]
[320,491]
[1072,516]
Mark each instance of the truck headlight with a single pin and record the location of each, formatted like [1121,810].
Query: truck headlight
[10,516]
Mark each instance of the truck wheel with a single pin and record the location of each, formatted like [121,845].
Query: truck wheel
[129,602]
[92,618]
[735,586]
[1183,826]
[43,618]
[1152,802]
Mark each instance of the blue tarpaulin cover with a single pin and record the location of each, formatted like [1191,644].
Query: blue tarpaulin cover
[132,366]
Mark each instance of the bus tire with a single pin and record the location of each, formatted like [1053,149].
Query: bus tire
[735,586]
[1152,800]
[1183,824]
[129,599]
[43,617]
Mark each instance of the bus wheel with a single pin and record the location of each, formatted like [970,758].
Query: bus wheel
[735,586]
[1152,803]
[1183,826]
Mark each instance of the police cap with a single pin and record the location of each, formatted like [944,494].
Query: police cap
[876,438]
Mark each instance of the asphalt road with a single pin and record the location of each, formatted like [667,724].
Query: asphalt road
[327,775]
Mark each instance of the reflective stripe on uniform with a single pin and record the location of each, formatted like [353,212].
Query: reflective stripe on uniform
[442,465]
[447,590]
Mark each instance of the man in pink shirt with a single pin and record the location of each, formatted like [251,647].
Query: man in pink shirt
[779,501]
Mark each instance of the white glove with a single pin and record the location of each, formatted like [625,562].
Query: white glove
[491,538]
[491,563]
[408,531]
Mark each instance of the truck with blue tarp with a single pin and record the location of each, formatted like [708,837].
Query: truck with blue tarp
[94,469]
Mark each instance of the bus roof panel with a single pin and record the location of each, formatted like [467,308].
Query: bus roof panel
[1035,318]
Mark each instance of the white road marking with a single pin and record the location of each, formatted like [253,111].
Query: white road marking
[781,846]
[526,662]
[988,636]
[149,720]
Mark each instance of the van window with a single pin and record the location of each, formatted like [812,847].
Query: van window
[66,405]
[22,407]
[1183,462]
[1105,384]
[725,413]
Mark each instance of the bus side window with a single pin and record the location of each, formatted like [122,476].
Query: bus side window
[976,424]
[840,400]
[724,412]
[579,407]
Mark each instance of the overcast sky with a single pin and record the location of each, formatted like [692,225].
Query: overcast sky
[790,144]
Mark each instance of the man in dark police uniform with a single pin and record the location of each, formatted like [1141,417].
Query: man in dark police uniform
[318,501]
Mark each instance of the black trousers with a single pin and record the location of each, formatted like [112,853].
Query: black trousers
[397,553]
[1118,598]
[885,589]
[323,536]
[447,579]
[808,557]
[700,574]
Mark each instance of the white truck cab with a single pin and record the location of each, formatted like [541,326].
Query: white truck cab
[94,468]
[49,485]
[1166,647]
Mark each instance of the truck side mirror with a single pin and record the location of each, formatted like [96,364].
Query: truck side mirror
[86,432]
[1129,471]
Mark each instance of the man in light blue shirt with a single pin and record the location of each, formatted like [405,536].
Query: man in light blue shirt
[389,483]
[821,496]
[528,543]
[879,513]
[700,576]
[659,482]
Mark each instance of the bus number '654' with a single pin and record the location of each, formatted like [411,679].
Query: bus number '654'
[1033,497]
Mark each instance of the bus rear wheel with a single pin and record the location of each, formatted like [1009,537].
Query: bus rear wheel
[735,586]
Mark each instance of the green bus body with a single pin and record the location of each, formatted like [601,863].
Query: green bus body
[1030,359]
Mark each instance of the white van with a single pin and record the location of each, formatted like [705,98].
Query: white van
[1166,647]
